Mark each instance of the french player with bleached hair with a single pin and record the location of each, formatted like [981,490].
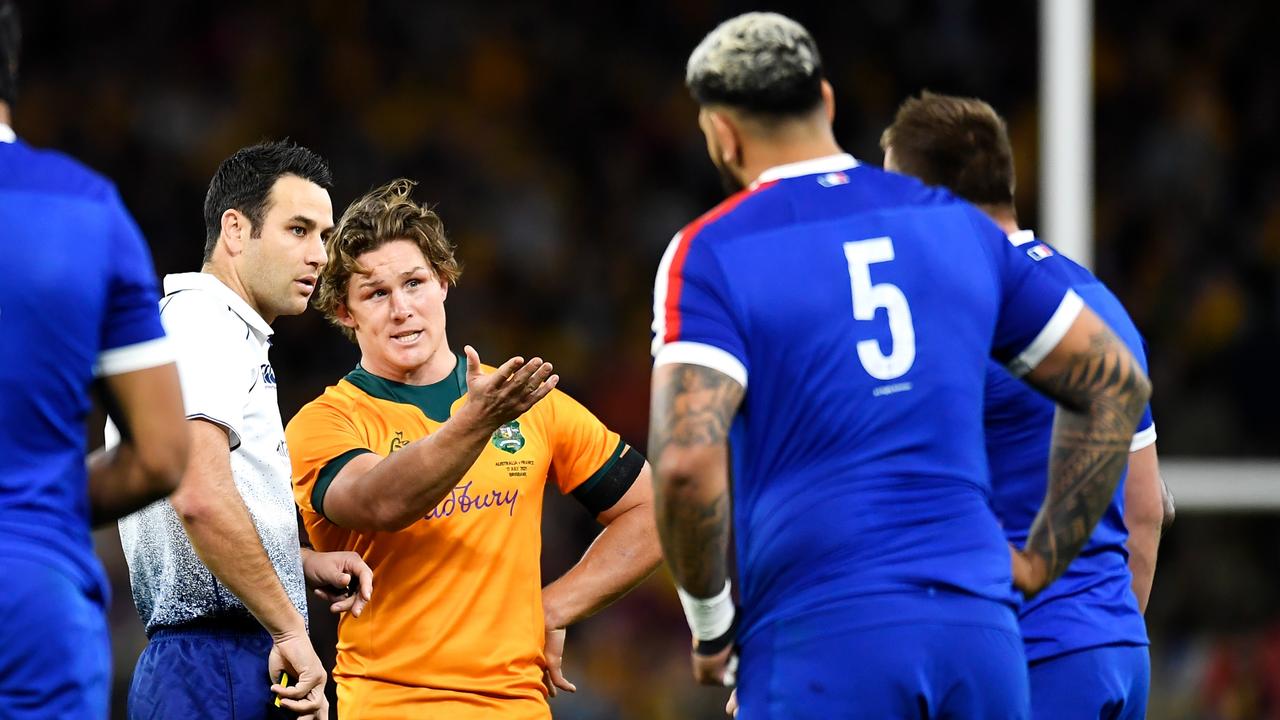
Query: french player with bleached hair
[825,333]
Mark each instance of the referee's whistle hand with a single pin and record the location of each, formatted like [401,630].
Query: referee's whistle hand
[294,655]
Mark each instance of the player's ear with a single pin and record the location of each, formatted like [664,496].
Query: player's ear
[726,134]
[344,316]
[829,101]
[235,230]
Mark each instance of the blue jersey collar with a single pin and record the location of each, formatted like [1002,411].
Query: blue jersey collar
[814,166]
[1022,237]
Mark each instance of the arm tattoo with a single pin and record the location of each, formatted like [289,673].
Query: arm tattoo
[692,409]
[1101,394]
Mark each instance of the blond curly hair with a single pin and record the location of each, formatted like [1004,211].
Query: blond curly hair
[383,215]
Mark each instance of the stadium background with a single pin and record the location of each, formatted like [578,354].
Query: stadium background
[560,147]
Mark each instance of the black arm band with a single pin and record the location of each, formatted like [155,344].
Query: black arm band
[715,645]
[604,489]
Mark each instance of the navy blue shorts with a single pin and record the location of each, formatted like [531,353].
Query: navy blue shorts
[967,663]
[1104,683]
[55,654]
[203,671]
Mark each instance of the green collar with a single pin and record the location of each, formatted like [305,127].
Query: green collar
[433,400]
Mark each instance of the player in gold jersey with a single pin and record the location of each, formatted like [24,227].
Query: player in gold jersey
[432,467]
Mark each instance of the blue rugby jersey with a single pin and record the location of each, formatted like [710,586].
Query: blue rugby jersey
[1092,604]
[78,300]
[859,309]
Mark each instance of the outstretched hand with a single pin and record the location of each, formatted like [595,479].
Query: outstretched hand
[508,392]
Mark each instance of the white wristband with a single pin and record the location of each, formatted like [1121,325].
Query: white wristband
[708,618]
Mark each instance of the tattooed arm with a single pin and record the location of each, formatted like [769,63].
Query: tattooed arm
[1101,392]
[690,413]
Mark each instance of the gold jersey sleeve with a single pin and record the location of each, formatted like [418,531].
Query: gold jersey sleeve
[322,431]
[582,445]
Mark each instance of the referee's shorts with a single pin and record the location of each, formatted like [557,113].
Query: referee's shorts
[205,669]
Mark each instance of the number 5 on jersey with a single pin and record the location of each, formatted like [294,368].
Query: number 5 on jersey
[867,297]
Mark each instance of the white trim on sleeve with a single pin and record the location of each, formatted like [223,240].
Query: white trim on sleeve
[660,283]
[233,435]
[6,134]
[696,353]
[139,356]
[1143,438]
[1050,335]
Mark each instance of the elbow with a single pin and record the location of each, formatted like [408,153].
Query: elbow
[1120,397]
[1145,521]
[1144,387]
[1166,517]
[384,516]
[678,469]
[391,523]
[647,546]
[1138,392]
[358,502]
[191,507]
[654,548]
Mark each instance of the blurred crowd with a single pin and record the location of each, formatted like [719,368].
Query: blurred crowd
[560,147]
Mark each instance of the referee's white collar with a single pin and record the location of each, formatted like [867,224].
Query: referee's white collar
[7,135]
[824,164]
[209,283]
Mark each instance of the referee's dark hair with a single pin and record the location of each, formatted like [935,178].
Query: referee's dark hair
[10,46]
[244,181]
[959,143]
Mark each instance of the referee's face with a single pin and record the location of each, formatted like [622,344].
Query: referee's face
[281,264]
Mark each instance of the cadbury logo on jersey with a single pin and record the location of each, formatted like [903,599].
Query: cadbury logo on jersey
[462,500]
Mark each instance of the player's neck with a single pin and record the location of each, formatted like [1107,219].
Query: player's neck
[5,118]
[230,278]
[771,155]
[439,366]
[1003,216]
